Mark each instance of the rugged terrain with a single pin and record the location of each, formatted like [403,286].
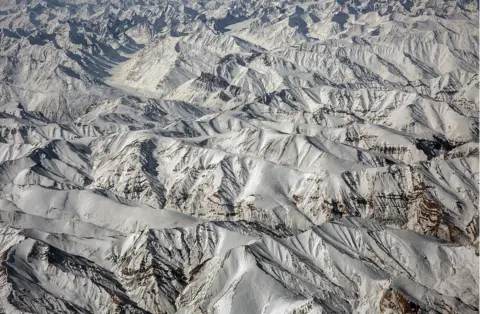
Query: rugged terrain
[239,157]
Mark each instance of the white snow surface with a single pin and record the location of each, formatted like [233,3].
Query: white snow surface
[239,156]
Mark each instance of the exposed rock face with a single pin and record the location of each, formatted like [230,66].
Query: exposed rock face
[239,157]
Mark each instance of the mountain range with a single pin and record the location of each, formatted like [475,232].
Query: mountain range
[215,156]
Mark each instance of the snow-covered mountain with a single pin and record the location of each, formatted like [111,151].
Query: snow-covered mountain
[239,156]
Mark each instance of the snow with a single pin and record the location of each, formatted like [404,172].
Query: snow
[239,157]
